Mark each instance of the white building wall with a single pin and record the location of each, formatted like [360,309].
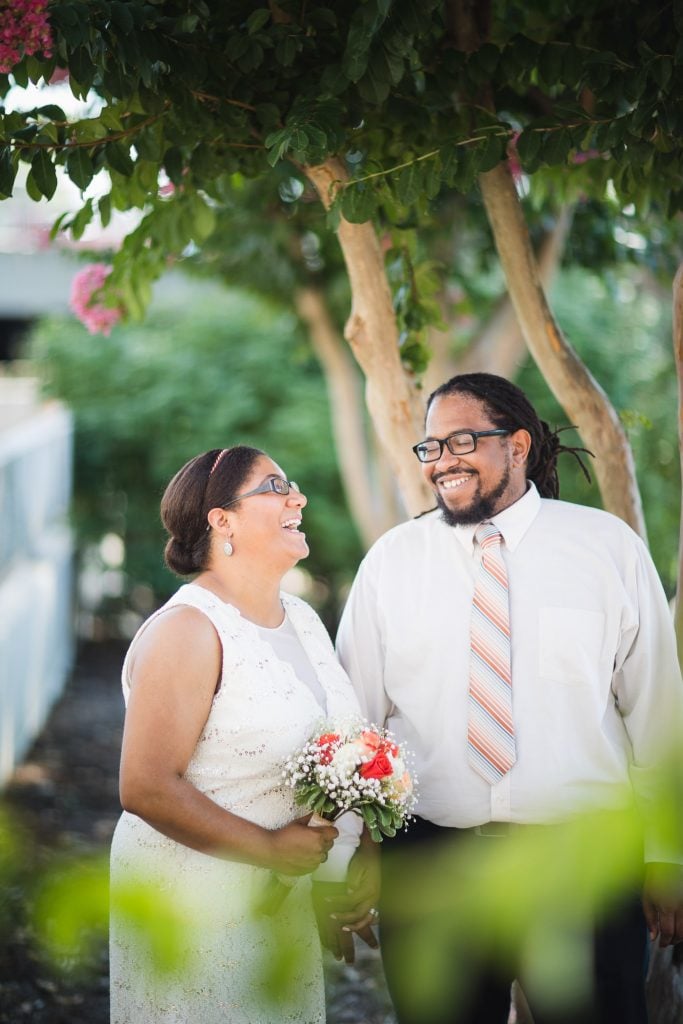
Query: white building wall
[36,547]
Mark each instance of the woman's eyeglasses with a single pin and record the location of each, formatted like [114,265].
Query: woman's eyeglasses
[274,483]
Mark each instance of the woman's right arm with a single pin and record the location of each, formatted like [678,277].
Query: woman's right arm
[176,667]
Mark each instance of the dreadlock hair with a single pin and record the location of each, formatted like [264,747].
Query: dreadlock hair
[510,409]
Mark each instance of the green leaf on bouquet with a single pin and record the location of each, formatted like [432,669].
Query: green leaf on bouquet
[386,816]
[375,834]
[319,803]
[369,814]
[388,830]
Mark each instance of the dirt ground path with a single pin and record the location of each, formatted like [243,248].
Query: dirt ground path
[65,795]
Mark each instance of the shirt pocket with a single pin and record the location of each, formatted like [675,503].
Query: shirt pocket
[570,645]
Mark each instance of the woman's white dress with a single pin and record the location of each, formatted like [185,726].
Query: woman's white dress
[188,948]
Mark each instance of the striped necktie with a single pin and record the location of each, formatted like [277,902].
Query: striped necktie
[490,731]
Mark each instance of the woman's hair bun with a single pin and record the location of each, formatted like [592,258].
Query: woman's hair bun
[180,559]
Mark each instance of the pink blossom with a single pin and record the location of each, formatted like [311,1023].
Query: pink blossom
[513,157]
[59,75]
[582,158]
[25,30]
[98,318]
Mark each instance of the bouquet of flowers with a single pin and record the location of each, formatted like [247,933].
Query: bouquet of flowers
[358,769]
[355,768]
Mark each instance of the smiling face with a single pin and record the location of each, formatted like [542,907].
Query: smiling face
[267,526]
[471,488]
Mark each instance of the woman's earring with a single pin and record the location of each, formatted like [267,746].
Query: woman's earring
[228,548]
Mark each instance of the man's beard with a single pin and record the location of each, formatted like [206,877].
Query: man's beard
[483,507]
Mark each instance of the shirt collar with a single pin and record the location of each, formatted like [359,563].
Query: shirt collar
[513,521]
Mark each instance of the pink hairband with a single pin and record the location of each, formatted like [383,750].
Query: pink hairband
[217,460]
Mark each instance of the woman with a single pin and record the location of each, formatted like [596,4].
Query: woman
[221,685]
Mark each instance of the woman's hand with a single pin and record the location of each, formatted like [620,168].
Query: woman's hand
[297,849]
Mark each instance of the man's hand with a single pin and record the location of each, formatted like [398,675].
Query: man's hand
[663,902]
[356,910]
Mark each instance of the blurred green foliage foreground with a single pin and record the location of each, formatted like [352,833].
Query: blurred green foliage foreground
[531,894]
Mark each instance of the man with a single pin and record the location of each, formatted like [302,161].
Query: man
[530,666]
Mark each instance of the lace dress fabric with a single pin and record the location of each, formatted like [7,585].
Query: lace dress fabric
[234,966]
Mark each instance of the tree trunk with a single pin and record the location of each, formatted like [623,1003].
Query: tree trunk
[678,356]
[354,452]
[371,331]
[581,396]
[499,345]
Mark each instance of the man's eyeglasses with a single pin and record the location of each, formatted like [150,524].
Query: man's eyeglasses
[274,483]
[462,442]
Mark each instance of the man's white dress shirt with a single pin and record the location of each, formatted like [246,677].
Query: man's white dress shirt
[597,692]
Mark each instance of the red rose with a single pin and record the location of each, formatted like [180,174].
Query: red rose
[379,768]
[327,742]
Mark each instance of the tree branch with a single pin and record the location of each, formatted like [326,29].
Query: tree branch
[578,392]
[371,331]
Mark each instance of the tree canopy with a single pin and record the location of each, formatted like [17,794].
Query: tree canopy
[417,98]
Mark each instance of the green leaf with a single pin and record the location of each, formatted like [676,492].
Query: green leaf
[203,217]
[299,142]
[82,69]
[408,184]
[528,146]
[44,174]
[118,157]
[492,152]
[32,187]
[286,51]
[8,171]
[334,79]
[375,84]
[358,202]
[550,63]
[56,227]
[385,816]
[121,16]
[661,71]
[556,146]
[572,66]
[257,19]
[277,144]
[79,167]
[20,74]
[236,46]
[252,58]
[81,220]
[52,112]
[450,157]
[369,816]
[104,209]
[432,176]
[268,114]
[174,164]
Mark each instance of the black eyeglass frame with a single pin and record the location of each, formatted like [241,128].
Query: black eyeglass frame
[474,434]
[277,484]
